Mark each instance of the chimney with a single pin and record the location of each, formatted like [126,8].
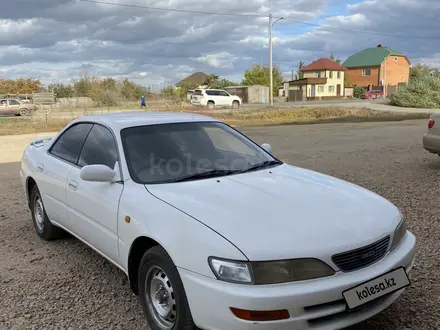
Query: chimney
[379,46]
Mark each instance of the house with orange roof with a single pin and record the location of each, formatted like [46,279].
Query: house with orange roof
[322,79]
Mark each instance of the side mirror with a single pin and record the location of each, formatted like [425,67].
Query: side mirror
[97,173]
[267,147]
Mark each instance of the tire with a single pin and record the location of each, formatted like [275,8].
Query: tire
[23,112]
[211,105]
[235,105]
[44,228]
[157,272]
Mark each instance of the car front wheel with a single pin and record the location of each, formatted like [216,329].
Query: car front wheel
[23,112]
[44,228]
[162,294]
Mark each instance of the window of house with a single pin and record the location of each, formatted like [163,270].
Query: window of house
[318,74]
[339,74]
[331,89]
[321,89]
[330,74]
[366,72]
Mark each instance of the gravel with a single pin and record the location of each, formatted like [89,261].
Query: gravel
[65,285]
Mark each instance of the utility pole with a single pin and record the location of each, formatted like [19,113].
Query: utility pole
[270,62]
[271,24]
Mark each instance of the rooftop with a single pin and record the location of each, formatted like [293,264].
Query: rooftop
[323,64]
[370,57]
[197,78]
[120,120]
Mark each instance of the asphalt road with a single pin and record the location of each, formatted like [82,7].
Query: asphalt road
[65,285]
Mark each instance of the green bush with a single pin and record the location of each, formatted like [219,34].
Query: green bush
[420,92]
[358,91]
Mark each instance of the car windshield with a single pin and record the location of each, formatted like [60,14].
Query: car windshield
[189,151]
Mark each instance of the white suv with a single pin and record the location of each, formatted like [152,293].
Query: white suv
[215,97]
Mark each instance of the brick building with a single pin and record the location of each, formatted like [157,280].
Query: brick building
[372,68]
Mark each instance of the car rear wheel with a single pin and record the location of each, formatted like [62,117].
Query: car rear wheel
[211,105]
[162,294]
[23,112]
[44,228]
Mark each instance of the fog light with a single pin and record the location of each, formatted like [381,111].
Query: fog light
[260,315]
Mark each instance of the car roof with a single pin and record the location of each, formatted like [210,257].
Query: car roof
[120,120]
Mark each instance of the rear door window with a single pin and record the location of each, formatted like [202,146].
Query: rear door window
[69,144]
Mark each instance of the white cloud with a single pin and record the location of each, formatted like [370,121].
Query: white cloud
[56,40]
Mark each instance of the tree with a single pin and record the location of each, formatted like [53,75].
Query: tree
[260,75]
[168,91]
[299,74]
[20,86]
[215,81]
[347,80]
[333,58]
[62,90]
[421,70]
[211,79]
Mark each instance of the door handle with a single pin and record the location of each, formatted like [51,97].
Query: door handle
[40,167]
[73,184]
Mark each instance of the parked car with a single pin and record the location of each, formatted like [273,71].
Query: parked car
[212,98]
[214,231]
[16,107]
[431,139]
[373,94]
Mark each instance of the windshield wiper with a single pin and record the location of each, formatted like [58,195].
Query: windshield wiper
[205,175]
[262,165]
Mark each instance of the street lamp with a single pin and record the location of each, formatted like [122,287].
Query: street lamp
[271,24]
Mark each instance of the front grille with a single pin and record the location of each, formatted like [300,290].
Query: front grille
[362,257]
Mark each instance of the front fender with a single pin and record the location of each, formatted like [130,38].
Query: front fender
[188,242]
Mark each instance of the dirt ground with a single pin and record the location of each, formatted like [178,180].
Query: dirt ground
[65,285]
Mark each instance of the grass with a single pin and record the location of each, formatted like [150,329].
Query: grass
[298,116]
[156,104]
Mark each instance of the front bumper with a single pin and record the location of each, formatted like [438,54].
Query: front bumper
[313,304]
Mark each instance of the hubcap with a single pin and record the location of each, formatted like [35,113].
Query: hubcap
[39,213]
[23,112]
[160,296]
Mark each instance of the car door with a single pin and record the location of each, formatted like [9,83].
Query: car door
[54,168]
[3,107]
[93,206]
[225,98]
[13,106]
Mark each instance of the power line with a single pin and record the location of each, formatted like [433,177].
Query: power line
[363,32]
[286,19]
[173,9]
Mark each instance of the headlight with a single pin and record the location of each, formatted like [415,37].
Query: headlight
[231,271]
[398,235]
[269,272]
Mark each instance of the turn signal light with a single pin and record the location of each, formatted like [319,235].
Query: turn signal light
[260,315]
[431,123]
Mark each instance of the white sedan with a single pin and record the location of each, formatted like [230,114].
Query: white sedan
[213,231]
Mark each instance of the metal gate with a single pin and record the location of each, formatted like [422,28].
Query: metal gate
[391,90]
[295,95]
[242,92]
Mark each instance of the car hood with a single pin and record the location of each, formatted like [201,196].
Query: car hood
[284,212]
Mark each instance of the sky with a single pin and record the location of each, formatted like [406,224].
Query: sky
[58,40]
